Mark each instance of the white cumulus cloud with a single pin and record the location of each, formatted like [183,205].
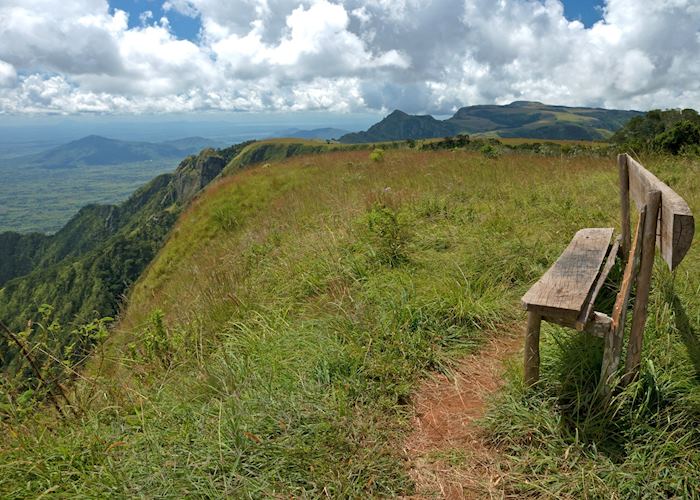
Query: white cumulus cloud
[418,55]
[8,74]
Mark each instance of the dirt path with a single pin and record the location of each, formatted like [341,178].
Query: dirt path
[447,452]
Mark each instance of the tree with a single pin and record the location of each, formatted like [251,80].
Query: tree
[683,133]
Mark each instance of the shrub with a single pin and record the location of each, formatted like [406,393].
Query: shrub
[226,218]
[155,339]
[489,151]
[683,134]
[388,235]
[377,155]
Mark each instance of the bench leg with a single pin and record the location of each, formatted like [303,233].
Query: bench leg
[612,350]
[639,313]
[532,348]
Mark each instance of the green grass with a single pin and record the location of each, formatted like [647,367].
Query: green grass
[303,301]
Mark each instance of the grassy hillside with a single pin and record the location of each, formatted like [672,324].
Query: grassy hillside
[534,120]
[84,269]
[278,149]
[272,347]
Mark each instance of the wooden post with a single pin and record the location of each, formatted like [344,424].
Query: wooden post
[639,315]
[614,336]
[532,348]
[624,203]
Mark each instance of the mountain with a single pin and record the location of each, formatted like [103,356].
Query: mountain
[525,119]
[317,133]
[98,150]
[535,120]
[400,126]
[191,145]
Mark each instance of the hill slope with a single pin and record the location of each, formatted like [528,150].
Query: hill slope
[273,346]
[84,269]
[519,119]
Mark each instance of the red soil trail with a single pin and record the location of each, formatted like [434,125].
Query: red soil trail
[447,452]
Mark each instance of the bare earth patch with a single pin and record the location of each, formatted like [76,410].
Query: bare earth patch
[447,453]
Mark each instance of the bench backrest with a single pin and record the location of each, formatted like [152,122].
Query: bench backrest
[676,225]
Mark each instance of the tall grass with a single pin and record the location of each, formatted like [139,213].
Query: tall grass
[300,303]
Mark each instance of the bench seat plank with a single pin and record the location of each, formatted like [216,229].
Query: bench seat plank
[587,311]
[566,286]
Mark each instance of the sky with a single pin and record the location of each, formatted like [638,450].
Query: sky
[145,57]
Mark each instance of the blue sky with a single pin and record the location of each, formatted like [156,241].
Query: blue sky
[140,57]
[586,11]
[186,27]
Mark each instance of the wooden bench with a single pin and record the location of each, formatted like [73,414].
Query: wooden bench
[566,293]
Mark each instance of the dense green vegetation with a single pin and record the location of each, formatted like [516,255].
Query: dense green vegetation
[531,120]
[272,347]
[85,268]
[492,147]
[673,131]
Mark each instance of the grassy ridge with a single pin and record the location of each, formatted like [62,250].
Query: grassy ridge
[301,302]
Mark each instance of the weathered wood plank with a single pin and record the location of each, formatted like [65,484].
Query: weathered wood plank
[639,314]
[677,224]
[614,336]
[587,310]
[598,325]
[629,276]
[566,285]
[532,348]
[624,203]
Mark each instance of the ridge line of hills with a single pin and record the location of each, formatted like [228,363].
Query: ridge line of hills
[523,119]
[99,150]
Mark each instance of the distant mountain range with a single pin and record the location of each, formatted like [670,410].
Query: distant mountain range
[532,120]
[98,150]
[317,133]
